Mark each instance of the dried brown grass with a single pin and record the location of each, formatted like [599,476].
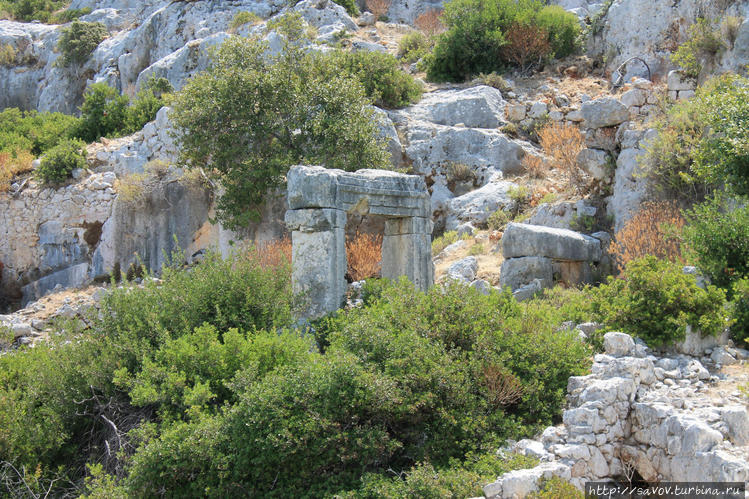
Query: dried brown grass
[12,165]
[564,143]
[535,166]
[274,253]
[429,22]
[654,230]
[526,45]
[378,7]
[364,255]
[504,388]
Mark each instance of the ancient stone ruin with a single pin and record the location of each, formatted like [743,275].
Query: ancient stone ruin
[319,201]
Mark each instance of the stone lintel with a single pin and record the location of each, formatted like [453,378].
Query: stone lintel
[315,219]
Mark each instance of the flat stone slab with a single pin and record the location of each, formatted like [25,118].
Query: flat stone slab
[558,244]
[475,107]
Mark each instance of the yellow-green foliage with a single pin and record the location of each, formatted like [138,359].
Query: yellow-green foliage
[702,45]
[7,55]
[243,17]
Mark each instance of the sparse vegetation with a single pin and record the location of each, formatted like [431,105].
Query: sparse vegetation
[498,220]
[654,230]
[702,46]
[243,17]
[413,46]
[563,143]
[379,8]
[364,256]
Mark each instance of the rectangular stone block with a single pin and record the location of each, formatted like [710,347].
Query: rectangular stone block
[409,225]
[408,255]
[313,220]
[558,244]
[517,272]
[319,267]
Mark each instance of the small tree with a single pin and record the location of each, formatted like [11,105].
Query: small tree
[250,116]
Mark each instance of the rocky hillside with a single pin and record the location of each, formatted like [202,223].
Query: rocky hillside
[590,235]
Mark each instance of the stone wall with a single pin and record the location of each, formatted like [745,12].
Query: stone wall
[661,416]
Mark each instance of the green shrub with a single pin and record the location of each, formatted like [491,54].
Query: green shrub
[69,15]
[458,481]
[701,143]
[78,40]
[656,301]
[350,5]
[519,193]
[7,55]
[498,220]
[243,17]
[103,112]
[717,233]
[146,104]
[557,488]
[291,108]
[479,33]
[60,161]
[32,131]
[413,46]
[383,80]
[740,304]
[702,45]
[31,10]
[443,241]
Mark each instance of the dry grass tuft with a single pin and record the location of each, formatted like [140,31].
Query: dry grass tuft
[12,165]
[274,253]
[654,230]
[364,255]
[429,22]
[535,166]
[504,388]
[564,143]
[378,7]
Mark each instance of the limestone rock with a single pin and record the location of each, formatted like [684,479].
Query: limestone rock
[518,272]
[475,107]
[594,162]
[464,270]
[476,206]
[604,112]
[618,344]
[562,244]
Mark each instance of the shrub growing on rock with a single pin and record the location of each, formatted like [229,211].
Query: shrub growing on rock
[383,80]
[60,161]
[655,300]
[78,41]
[479,32]
[717,233]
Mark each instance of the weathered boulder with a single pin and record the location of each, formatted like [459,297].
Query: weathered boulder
[559,244]
[464,270]
[618,344]
[604,112]
[518,272]
[594,162]
[630,185]
[476,206]
[475,107]
[520,483]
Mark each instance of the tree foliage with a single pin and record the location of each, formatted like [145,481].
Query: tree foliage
[253,114]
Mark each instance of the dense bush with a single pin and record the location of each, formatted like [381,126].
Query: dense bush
[383,80]
[717,232]
[485,35]
[276,111]
[702,142]
[60,161]
[106,113]
[413,46]
[38,10]
[740,303]
[78,40]
[656,301]
[33,131]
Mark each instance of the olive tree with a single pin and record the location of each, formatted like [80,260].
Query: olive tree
[253,113]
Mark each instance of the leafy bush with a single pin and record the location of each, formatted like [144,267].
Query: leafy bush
[443,241]
[498,220]
[243,17]
[350,5]
[78,40]
[655,300]
[717,232]
[557,488]
[103,112]
[740,304]
[413,46]
[702,142]
[486,36]
[291,108]
[33,131]
[383,80]
[654,230]
[702,45]
[60,161]
[31,10]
